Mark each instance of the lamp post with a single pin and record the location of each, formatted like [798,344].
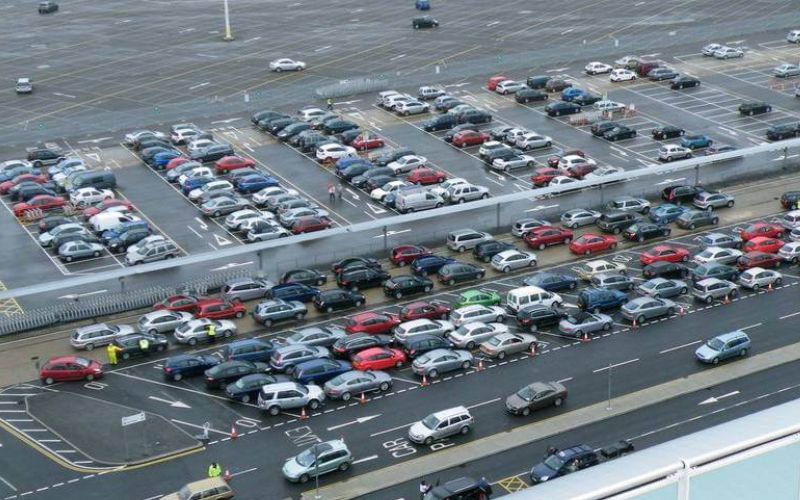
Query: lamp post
[228,37]
[316,472]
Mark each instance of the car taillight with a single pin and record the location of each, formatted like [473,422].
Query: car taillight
[168,369]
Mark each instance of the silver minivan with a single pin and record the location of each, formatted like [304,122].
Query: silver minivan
[240,289]
[440,425]
[275,398]
[91,336]
[417,200]
[713,288]
[462,240]
[151,251]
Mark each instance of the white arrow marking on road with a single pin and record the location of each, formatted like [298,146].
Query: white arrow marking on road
[64,95]
[541,207]
[231,265]
[93,156]
[556,70]
[392,233]
[623,153]
[203,225]
[359,420]
[94,141]
[347,102]
[227,120]
[221,241]
[174,404]
[375,210]
[352,193]
[670,181]
[715,399]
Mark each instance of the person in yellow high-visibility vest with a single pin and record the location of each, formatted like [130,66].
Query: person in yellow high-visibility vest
[212,332]
[214,470]
[111,352]
[144,345]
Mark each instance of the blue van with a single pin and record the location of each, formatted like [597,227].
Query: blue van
[319,371]
[293,291]
[601,299]
[110,234]
[248,350]
[423,5]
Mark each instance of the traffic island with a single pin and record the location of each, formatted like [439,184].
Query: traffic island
[108,433]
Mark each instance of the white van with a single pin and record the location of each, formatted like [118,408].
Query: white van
[406,202]
[793,36]
[791,220]
[109,220]
[526,296]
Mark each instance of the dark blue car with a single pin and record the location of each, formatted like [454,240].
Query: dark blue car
[601,299]
[570,93]
[160,160]
[666,213]
[429,264]
[188,365]
[423,4]
[110,234]
[293,291]
[343,163]
[246,389]
[254,182]
[696,141]
[319,371]
[248,350]
[195,183]
[552,282]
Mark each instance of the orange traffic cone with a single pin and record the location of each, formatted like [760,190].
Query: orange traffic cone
[234,433]
[727,299]
[227,476]
[681,311]
[362,399]
[769,287]
[634,325]
[584,339]
[424,380]
[533,350]
[303,415]
[480,366]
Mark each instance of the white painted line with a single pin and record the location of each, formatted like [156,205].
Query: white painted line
[751,326]
[199,427]
[193,87]
[365,459]
[8,484]
[64,95]
[566,31]
[392,429]
[616,365]
[243,472]
[493,23]
[790,315]
[48,440]
[397,57]
[679,347]
[564,380]
[322,48]
[484,403]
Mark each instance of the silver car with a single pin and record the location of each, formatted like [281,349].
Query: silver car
[466,192]
[235,220]
[354,383]
[710,200]
[324,336]
[629,204]
[579,217]
[75,250]
[223,205]
[411,108]
[287,395]
[504,344]
[642,309]
[264,230]
[522,226]
[290,216]
[196,330]
[484,314]
[269,312]
[615,281]
[786,70]
[508,260]
[663,288]
[438,361]
[287,357]
[240,289]
[790,252]
[721,240]
[582,323]
[163,321]
[757,277]
[713,288]
[438,327]
[91,336]
[46,239]
[717,255]
[467,336]
[320,459]
[268,193]
[513,162]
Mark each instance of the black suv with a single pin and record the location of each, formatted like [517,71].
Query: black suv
[790,200]
[47,7]
[44,156]
[618,133]
[462,488]
[214,153]
[600,128]
[488,249]
[563,462]
[668,270]
[364,277]
[667,132]
[415,345]
[754,108]
[123,241]
[441,122]
[616,221]
[535,317]
[780,132]
[334,300]
[474,116]
[424,22]
[681,193]
[338,126]
[529,95]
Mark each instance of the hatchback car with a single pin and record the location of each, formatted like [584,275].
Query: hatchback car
[642,309]
[710,289]
[583,323]
[68,369]
[353,383]
[438,361]
[722,347]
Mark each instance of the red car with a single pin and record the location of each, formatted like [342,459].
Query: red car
[493,81]
[664,253]
[580,170]
[542,176]
[180,160]
[426,176]
[544,236]
[6,186]
[767,229]
[185,303]
[758,259]
[555,159]
[310,224]
[425,310]
[228,163]
[371,141]
[763,244]
[102,206]
[372,323]
[407,254]
[378,358]
[43,202]
[590,243]
[219,309]
[68,368]
[469,138]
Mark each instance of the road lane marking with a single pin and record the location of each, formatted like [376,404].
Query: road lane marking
[679,347]
[790,315]
[8,484]
[616,365]
[392,429]
[365,459]
[484,403]
[750,326]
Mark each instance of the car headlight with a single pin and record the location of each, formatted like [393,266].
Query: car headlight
[544,478]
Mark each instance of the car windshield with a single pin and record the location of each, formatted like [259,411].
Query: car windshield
[430,422]
[494,341]
[241,383]
[306,459]
[82,362]
[185,493]
[526,393]
[715,344]
[554,462]
[341,379]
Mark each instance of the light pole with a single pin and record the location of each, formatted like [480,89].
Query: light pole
[228,37]
[316,472]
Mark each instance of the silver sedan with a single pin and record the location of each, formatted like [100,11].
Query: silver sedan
[582,323]
[513,259]
[578,217]
[645,308]
[163,321]
[315,335]
[663,288]
[438,361]
[355,382]
[504,344]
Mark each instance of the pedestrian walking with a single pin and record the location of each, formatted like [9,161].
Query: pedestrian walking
[339,190]
[424,488]
[214,470]
[111,351]
[330,104]
[332,193]
[212,333]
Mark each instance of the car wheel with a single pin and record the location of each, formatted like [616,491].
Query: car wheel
[278,70]
[709,300]
[344,466]
[289,370]
[692,226]
[486,259]
[641,319]
[68,258]
[526,411]
[239,314]
[613,246]
[500,318]
[506,269]
[192,341]
[461,249]
[465,430]
[89,347]
[49,381]
[433,373]
[451,282]
[246,398]
[299,316]
[428,441]
[358,303]
[743,352]
[558,113]
[354,288]
[427,289]
[304,478]
[385,386]
[177,377]
[217,213]
[617,230]
[641,239]
[313,404]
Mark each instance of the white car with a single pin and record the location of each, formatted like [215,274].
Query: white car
[469,335]
[509,87]
[261,197]
[196,173]
[728,53]
[624,61]
[513,162]
[406,108]
[235,220]
[471,314]
[89,196]
[606,105]
[533,140]
[442,188]
[669,152]
[509,260]
[392,101]
[603,171]
[212,187]
[183,135]
[588,270]
[286,65]
[309,114]
[489,146]
[596,68]
[573,161]
[382,96]
[197,146]
[130,139]
[709,49]
[334,152]
[622,75]
[407,163]
[514,134]
[561,180]
[718,255]
[378,194]
[793,36]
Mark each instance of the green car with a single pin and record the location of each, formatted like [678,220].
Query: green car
[477,297]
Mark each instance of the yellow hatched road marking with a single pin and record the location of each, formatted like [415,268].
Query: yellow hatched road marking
[512,484]
[9,307]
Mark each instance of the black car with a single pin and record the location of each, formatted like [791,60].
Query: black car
[218,377]
[360,181]
[559,108]
[600,128]
[524,96]
[644,231]
[486,250]
[362,277]
[353,171]
[683,82]
[790,200]
[441,122]
[121,242]
[52,221]
[429,264]
[28,191]
[64,238]
[415,345]
[338,126]
[616,221]
[334,300]
[148,154]
[780,132]
[504,153]
[188,365]
[130,345]
[557,84]
[667,132]
[388,157]
[619,133]
[424,22]
[213,153]
[537,81]
[275,126]
[355,342]
[474,116]
[246,389]
[152,142]
[348,136]
[354,262]
[292,130]
[499,133]
[378,181]
[587,99]
[563,462]
[661,269]
[535,317]
[311,142]
[47,7]
[714,270]
[266,115]
[754,108]
[401,286]
[447,105]
[680,193]
[696,218]
[456,272]
[44,156]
